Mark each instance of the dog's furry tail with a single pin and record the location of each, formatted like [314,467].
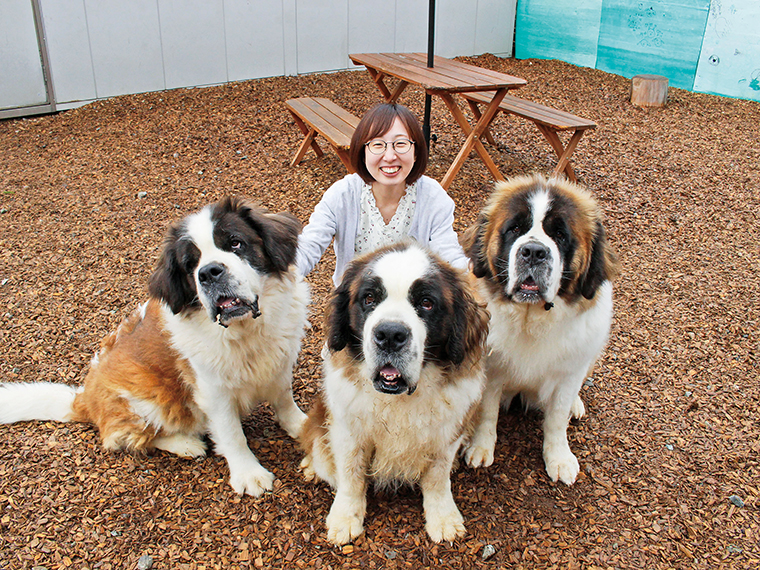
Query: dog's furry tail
[21,402]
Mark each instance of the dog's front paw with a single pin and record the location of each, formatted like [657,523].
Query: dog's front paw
[561,465]
[183,445]
[446,526]
[477,456]
[308,470]
[577,410]
[254,481]
[343,527]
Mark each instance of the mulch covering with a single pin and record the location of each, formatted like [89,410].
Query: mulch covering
[669,449]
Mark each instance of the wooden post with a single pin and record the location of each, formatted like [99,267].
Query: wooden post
[649,90]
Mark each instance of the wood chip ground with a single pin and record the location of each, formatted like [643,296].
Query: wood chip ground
[672,430]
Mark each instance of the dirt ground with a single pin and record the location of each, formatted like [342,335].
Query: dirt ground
[669,449]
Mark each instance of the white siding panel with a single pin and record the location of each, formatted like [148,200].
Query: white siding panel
[255,44]
[454,27]
[23,83]
[192,40]
[102,48]
[322,35]
[371,27]
[411,25]
[495,27]
[126,46]
[69,50]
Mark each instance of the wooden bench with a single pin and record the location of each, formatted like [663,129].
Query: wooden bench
[549,121]
[317,115]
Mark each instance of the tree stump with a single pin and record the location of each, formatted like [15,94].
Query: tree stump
[649,90]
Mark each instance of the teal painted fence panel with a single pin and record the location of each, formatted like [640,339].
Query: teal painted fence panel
[663,37]
[729,63]
[558,29]
[711,46]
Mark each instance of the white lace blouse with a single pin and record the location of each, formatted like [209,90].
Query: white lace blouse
[373,231]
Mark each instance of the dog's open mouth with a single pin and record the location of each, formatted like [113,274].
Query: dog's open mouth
[230,308]
[390,381]
[528,292]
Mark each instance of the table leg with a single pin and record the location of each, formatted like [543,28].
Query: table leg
[475,108]
[378,78]
[473,136]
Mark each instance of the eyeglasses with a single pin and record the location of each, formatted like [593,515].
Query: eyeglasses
[400,146]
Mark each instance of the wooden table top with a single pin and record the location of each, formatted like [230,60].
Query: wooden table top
[447,75]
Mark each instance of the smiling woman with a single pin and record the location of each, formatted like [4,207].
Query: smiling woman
[388,198]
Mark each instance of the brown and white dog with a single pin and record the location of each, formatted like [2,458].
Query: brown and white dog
[220,332]
[543,263]
[402,379]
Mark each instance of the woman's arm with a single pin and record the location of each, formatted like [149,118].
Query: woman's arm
[444,240]
[438,207]
[318,233]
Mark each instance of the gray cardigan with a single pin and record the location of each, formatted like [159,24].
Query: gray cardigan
[337,215]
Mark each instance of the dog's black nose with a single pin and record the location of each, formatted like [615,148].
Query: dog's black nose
[533,253]
[391,337]
[211,272]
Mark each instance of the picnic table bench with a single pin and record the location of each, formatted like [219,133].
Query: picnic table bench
[317,115]
[548,120]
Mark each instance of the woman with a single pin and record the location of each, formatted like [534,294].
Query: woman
[386,200]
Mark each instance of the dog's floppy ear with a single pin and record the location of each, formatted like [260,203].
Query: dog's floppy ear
[279,232]
[603,265]
[339,313]
[170,282]
[470,329]
[475,248]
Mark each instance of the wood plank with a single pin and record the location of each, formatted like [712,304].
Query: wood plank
[329,120]
[443,77]
[317,115]
[465,70]
[402,70]
[554,118]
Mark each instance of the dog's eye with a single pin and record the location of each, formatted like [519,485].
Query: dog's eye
[560,235]
[427,304]
[236,244]
[369,299]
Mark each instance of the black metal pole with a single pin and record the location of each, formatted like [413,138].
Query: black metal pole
[430,60]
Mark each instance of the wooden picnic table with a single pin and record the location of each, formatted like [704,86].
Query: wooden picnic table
[443,80]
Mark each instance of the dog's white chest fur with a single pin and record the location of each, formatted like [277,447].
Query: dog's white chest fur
[405,432]
[537,346]
[254,349]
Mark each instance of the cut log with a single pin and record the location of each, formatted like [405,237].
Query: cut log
[649,90]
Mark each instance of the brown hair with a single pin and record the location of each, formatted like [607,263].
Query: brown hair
[375,123]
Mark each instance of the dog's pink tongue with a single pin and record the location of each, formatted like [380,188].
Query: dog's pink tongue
[529,285]
[389,372]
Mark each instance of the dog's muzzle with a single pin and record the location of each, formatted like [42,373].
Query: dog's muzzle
[227,306]
[533,263]
[391,341]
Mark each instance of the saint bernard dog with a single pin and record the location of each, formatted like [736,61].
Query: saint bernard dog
[220,332]
[403,375]
[542,263]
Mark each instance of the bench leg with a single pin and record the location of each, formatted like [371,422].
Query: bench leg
[309,141]
[473,136]
[343,155]
[563,154]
